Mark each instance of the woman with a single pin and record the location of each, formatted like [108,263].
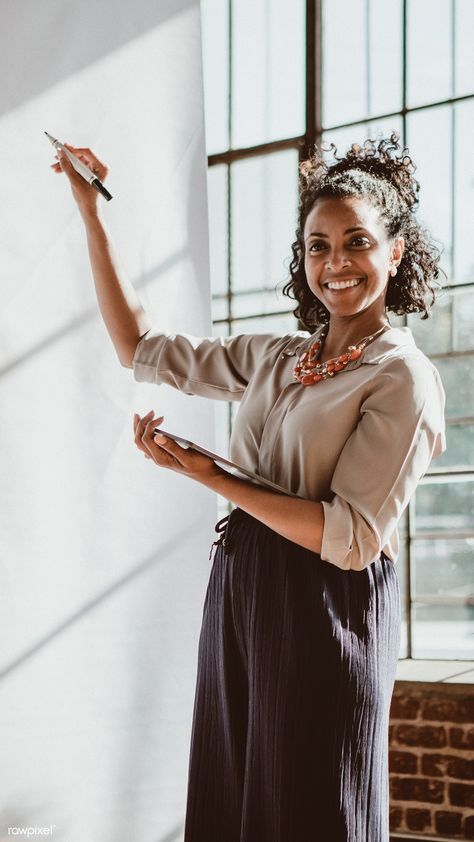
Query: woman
[301,623]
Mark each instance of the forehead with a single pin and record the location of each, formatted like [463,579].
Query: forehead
[333,215]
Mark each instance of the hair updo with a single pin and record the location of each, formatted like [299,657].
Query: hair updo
[382,173]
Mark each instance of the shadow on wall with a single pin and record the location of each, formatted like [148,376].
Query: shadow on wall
[92,314]
[86,35]
[139,569]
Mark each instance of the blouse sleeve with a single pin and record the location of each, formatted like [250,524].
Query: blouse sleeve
[212,367]
[401,430]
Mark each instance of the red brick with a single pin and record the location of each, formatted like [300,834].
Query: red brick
[448,710]
[395,818]
[418,819]
[447,822]
[404,707]
[461,768]
[402,762]
[434,765]
[461,795]
[461,739]
[447,765]
[417,789]
[391,733]
[469,827]
[440,710]
[426,736]
[466,710]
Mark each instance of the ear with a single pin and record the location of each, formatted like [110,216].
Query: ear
[398,247]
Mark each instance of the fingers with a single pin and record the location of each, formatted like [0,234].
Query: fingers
[66,166]
[91,160]
[87,157]
[143,431]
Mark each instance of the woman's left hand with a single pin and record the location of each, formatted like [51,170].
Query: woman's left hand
[167,453]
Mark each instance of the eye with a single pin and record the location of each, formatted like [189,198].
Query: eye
[361,237]
[359,240]
[316,243]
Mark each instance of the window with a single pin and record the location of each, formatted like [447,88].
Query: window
[280,77]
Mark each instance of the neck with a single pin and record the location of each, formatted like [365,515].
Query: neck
[349,330]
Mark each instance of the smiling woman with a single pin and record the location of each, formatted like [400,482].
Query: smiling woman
[301,621]
[349,274]
[356,222]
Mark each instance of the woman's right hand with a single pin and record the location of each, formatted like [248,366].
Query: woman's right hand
[85,196]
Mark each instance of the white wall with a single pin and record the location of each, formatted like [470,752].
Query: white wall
[104,557]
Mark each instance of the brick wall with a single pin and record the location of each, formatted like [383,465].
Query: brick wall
[431,760]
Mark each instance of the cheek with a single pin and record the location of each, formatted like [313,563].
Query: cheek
[376,265]
[311,264]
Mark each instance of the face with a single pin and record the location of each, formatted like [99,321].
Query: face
[345,240]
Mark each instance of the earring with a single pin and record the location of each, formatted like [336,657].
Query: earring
[393,271]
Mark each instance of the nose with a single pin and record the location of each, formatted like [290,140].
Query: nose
[337,260]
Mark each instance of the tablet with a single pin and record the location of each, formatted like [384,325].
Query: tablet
[229,466]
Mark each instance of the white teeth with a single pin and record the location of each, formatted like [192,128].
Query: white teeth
[344,284]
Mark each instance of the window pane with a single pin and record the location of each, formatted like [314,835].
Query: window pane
[441,506]
[429,142]
[429,51]
[464,41]
[433,335]
[400,570]
[443,570]
[256,303]
[385,56]
[344,58]
[459,451]
[386,127]
[457,375]
[221,427]
[464,320]
[215,52]
[264,206]
[266,324]
[268,71]
[345,137]
[220,307]
[464,192]
[221,416]
[218,239]
[220,329]
[443,632]
[221,422]
[362,64]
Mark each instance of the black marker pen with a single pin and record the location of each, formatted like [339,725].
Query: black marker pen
[81,168]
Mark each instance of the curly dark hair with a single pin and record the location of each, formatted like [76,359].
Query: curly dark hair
[382,173]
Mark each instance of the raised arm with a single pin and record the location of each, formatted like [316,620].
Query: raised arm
[124,317]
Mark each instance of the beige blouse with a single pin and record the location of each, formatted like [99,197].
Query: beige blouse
[358,442]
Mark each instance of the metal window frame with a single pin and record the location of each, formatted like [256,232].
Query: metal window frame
[305,144]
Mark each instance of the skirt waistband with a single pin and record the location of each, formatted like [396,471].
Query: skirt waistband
[220,528]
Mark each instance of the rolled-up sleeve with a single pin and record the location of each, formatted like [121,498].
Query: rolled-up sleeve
[401,430]
[212,367]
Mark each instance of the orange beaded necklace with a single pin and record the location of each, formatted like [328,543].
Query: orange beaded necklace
[309,371]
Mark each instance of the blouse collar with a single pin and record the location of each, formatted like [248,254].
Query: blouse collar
[389,344]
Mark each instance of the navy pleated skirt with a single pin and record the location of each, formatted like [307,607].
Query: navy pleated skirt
[296,668]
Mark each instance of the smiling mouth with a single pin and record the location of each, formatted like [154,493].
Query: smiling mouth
[344,288]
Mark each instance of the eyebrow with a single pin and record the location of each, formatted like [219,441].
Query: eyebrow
[347,231]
